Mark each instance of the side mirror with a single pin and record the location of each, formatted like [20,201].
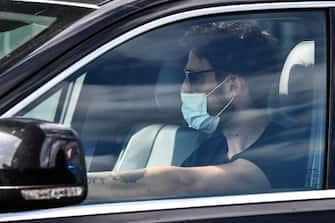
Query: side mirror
[41,165]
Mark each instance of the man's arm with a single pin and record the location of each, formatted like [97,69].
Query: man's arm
[239,175]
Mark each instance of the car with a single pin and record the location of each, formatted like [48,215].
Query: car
[95,89]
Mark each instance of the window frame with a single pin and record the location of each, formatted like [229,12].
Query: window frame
[177,203]
[330,167]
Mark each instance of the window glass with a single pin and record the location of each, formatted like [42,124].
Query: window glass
[208,106]
[57,105]
[17,29]
[25,26]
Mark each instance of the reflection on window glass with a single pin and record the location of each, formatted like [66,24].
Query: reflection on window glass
[27,26]
[17,29]
[209,106]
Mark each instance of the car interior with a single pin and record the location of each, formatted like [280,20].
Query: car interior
[128,121]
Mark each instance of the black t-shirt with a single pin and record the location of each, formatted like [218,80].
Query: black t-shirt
[281,154]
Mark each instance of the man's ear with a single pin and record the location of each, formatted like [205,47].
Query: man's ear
[236,84]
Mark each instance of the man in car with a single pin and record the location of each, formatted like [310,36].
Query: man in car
[230,70]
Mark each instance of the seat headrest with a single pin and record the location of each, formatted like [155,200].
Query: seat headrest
[302,54]
[293,100]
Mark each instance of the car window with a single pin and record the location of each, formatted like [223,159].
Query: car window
[25,26]
[15,32]
[59,104]
[217,105]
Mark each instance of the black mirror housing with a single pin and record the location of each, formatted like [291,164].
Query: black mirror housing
[41,165]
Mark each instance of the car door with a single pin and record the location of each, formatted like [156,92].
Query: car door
[125,95]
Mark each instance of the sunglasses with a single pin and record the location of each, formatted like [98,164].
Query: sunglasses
[194,76]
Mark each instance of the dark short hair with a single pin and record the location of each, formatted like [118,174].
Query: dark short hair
[235,47]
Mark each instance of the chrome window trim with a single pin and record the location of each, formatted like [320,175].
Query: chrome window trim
[55,2]
[174,204]
[168,204]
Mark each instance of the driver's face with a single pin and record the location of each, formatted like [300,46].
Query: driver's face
[200,78]
[199,75]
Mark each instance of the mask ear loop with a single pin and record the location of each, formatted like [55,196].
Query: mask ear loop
[226,106]
[229,102]
[217,86]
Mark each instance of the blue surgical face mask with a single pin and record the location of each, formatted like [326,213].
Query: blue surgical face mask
[194,109]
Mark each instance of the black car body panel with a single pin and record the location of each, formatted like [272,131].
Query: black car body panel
[110,21]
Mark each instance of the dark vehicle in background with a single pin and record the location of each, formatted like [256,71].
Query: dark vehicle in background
[94,87]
